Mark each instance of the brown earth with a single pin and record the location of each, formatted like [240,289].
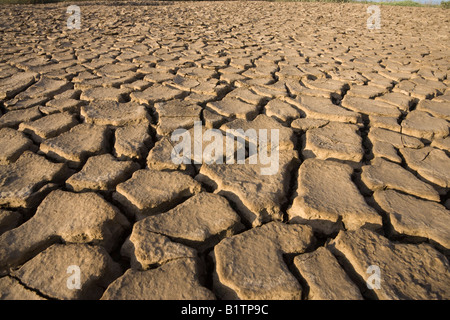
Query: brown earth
[86,176]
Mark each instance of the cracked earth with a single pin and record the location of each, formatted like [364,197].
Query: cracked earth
[86,176]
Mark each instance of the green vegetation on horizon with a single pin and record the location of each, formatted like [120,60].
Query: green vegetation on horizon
[404,3]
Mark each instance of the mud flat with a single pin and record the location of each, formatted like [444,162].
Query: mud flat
[88,186]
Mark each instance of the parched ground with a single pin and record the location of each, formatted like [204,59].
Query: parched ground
[359,206]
